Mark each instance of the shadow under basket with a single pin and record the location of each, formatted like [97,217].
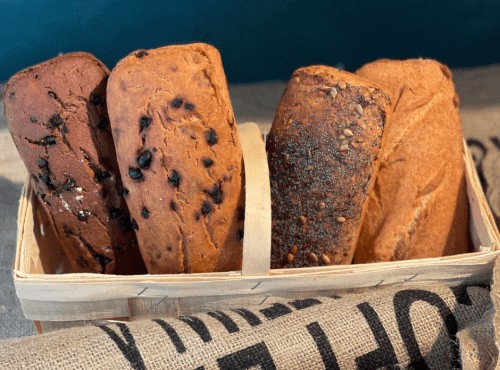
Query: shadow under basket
[54,297]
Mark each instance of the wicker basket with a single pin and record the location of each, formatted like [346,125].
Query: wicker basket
[54,297]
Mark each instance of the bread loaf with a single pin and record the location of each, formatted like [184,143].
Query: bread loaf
[322,153]
[56,113]
[180,156]
[419,206]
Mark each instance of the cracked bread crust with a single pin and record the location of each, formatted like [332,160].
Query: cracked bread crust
[322,153]
[57,116]
[419,206]
[180,156]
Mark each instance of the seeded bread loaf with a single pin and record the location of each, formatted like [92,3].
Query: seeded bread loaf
[419,205]
[56,113]
[322,153]
[181,157]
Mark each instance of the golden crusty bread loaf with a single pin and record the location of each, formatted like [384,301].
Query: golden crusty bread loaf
[322,153]
[418,207]
[180,158]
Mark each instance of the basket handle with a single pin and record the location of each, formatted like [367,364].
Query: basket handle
[257,232]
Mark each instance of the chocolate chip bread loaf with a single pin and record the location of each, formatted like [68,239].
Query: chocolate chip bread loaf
[419,207]
[56,112]
[322,153]
[180,156]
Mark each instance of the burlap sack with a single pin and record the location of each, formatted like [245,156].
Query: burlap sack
[495,295]
[477,344]
[405,327]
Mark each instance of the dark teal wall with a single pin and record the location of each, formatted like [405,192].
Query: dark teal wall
[258,40]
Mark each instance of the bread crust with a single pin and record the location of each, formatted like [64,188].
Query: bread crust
[322,153]
[57,116]
[419,206]
[180,156]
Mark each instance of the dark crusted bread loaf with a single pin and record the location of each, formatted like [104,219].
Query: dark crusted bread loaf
[56,112]
[180,156]
[322,153]
[419,206]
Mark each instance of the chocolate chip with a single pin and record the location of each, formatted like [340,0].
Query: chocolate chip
[239,235]
[216,194]
[145,212]
[123,191]
[42,163]
[67,230]
[55,121]
[12,95]
[46,140]
[69,185]
[144,159]
[173,206]
[103,261]
[125,224]
[47,180]
[189,106]
[196,216]
[144,122]
[103,123]
[83,215]
[50,140]
[114,213]
[33,120]
[135,173]
[206,208]
[207,162]
[65,129]
[82,262]
[140,54]
[211,137]
[175,179]
[52,94]
[135,226]
[176,103]
[96,99]
[100,176]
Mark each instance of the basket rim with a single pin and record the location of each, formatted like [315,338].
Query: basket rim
[464,259]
